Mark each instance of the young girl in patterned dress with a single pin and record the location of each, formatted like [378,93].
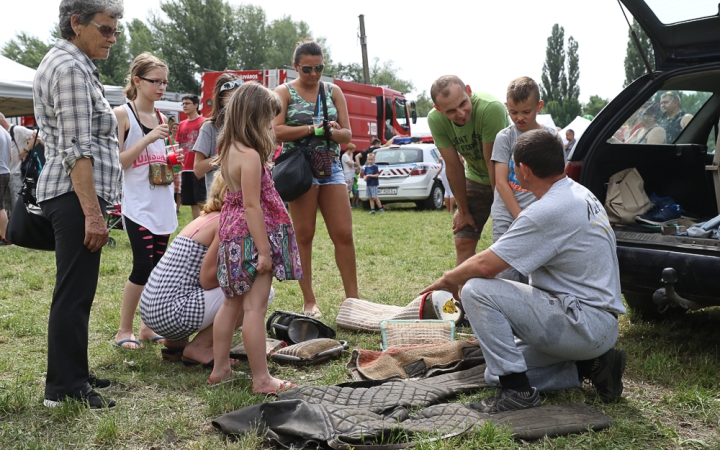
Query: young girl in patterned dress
[257,239]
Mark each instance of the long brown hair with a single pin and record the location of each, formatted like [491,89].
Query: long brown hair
[217,117]
[141,65]
[248,120]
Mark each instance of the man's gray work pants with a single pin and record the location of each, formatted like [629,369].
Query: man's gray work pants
[521,328]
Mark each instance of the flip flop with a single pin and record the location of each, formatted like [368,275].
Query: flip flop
[234,376]
[156,339]
[192,364]
[313,314]
[284,386]
[124,341]
[172,354]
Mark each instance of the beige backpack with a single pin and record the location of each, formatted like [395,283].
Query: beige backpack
[626,197]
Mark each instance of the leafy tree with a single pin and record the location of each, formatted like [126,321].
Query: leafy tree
[141,38]
[283,36]
[423,104]
[347,72]
[634,64]
[554,80]
[25,49]
[199,35]
[252,39]
[559,87]
[594,105]
[114,69]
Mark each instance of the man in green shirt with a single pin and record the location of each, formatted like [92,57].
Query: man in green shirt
[466,123]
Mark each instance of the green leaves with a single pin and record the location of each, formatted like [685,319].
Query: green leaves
[634,65]
[559,87]
[26,50]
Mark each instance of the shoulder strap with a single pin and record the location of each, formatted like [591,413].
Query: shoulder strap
[12,133]
[323,99]
[203,225]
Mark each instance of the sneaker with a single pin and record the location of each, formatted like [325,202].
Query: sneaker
[659,217]
[98,383]
[5,243]
[382,210]
[372,211]
[507,400]
[92,399]
[659,202]
[607,378]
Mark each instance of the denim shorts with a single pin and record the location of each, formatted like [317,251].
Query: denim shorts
[371,191]
[337,176]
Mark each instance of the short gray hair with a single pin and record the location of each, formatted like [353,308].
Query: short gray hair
[86,10]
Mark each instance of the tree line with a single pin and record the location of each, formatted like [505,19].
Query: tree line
[194,36]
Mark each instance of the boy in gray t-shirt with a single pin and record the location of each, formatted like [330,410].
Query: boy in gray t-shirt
[523,104]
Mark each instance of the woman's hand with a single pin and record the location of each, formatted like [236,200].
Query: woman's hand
[159,132]
[264,263]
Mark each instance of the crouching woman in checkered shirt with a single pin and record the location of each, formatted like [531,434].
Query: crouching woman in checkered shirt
[183,295]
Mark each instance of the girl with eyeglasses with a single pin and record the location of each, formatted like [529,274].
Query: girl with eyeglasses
[148,210]
[206,145]
[294,128]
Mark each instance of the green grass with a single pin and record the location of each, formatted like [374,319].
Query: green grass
[671,399]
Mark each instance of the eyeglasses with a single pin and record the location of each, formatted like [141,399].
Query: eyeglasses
[231,85]
[307,69]
[155,82]
[106,30]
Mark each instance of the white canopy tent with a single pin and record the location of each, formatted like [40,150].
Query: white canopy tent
[578,125]
[16,91]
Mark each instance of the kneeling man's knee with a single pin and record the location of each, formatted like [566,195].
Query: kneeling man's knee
[478,291]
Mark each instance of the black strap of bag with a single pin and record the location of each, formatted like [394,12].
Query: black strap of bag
[326,121]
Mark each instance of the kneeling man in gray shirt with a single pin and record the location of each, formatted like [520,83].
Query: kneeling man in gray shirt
[560,328]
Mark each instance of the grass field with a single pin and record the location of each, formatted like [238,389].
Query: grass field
[671,399]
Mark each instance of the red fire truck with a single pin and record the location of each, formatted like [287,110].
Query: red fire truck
[373,110]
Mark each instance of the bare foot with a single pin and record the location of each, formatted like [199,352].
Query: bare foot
[130,342]
[198,353]
[219,375]
[312,310]
[272,386]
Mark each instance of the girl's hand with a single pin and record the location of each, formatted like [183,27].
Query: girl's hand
[180,157]
[159,132]
[334,125]
[264,263]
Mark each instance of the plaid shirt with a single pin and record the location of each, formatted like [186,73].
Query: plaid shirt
[76,121]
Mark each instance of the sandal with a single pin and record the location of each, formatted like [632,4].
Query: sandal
[119,344]
[313,314]
[284,387]
[172,354]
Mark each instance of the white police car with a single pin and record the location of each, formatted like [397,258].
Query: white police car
[408,173]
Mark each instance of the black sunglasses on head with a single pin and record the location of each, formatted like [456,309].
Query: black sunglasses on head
[106,30]
[307,69]
[231,85]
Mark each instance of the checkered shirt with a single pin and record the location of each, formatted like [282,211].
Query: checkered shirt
[76,121]
[173,302]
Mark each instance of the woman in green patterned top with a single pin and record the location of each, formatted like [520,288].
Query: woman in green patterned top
[294,127]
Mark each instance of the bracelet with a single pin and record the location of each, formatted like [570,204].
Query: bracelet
[310,129]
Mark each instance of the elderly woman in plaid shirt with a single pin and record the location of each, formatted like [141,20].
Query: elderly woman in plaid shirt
[79,180]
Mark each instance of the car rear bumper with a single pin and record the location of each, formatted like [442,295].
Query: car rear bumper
[698,274]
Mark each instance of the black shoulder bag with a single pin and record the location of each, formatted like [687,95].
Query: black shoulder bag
[292,174]
[28,227]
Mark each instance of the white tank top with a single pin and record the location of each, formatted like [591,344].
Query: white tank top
[152,207]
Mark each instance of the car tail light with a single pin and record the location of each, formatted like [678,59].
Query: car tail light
[419,170]
[573,169]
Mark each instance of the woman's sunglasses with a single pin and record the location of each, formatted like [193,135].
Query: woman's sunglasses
[106,30]
[307,69]
[231,85]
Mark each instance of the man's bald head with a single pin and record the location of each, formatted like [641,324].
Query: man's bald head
[441,86]
[3,122]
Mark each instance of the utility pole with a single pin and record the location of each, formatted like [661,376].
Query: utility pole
[363,46]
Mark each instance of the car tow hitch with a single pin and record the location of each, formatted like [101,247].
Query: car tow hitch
[666,296]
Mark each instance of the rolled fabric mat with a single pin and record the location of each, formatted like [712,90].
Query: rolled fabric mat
[362,315]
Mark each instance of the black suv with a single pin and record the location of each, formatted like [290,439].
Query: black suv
[665,124]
